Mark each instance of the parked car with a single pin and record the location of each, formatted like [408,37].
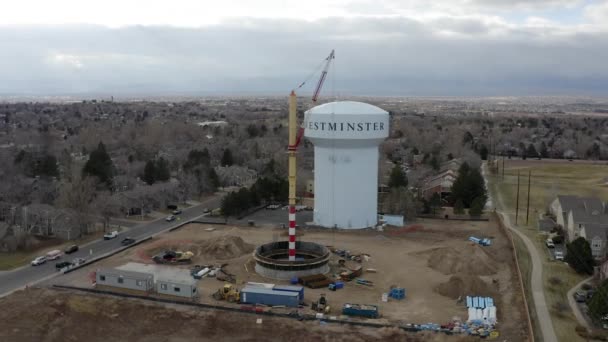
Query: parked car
[170,218]
[79,261]
[580,296]
[71,249]
[206,210]
[559,255]
[63,264]
[39,261]
[127,241]
[53,255]
[110,235]
[177,211]
[550,243]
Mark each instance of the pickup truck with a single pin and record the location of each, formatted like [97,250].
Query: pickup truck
[110,235]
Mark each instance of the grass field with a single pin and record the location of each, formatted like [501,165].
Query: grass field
[549,179]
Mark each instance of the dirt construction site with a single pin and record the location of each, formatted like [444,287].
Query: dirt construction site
[432,259]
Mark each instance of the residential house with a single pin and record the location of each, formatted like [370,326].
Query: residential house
[583,207]
[439,184]
[453,164]
[596,235]
[586,211]
[603,270]
[560,207]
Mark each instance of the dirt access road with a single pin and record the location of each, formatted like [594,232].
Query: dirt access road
[538,293]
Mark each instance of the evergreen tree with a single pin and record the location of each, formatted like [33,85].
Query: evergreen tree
[47,166]
[598,304]
[458,207]
[161,170]
[467,138]
[213,177]
[227,158]
[579,256]
[483,152]
[397,178]
[150,172]
[435,202]
[544,152]
[477,206]
[435,163]
[100,165]
[531,151]
[468,186]
[196,158]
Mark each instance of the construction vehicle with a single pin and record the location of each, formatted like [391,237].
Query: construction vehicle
[228,293]
[321,305]
[172,257]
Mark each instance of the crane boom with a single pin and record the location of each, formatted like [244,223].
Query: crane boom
[315,95]
[317,91]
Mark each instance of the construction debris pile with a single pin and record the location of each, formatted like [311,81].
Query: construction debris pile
[211,271]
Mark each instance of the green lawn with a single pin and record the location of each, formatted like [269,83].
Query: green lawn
[547,181]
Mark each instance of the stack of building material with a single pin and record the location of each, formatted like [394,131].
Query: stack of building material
[397,293]
[481,310]
[315,281]
[482,242]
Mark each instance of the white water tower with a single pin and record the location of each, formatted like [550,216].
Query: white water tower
[346,136]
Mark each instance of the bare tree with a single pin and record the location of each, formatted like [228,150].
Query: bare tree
[78,195]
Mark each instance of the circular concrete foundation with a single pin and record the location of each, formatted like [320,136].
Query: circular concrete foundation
[272,260]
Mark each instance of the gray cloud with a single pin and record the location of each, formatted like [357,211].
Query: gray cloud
[379,56]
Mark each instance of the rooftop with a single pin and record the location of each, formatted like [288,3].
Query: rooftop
[161,272]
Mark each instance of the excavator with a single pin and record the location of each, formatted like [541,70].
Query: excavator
[228,293]
[321,305]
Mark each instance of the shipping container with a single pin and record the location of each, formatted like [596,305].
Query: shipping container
[362,310]
[259,295]
[288,288]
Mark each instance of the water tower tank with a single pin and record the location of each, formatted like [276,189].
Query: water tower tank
[346,136]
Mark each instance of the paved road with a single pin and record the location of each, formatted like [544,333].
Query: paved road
[30,275]
[538,293]
[575,307]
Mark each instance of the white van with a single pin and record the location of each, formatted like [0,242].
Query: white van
[53,255]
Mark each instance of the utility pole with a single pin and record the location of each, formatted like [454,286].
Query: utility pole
[517,200]
[528,206]
[503,167]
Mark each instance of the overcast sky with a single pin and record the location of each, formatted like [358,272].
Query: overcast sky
[383,47]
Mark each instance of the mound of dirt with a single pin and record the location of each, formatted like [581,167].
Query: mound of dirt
[224,247]
[460,286]
[472,260]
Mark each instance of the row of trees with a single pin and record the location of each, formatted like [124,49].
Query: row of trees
[265,189]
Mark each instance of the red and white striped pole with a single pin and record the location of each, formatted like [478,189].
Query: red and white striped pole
[292,233]
[291,151]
